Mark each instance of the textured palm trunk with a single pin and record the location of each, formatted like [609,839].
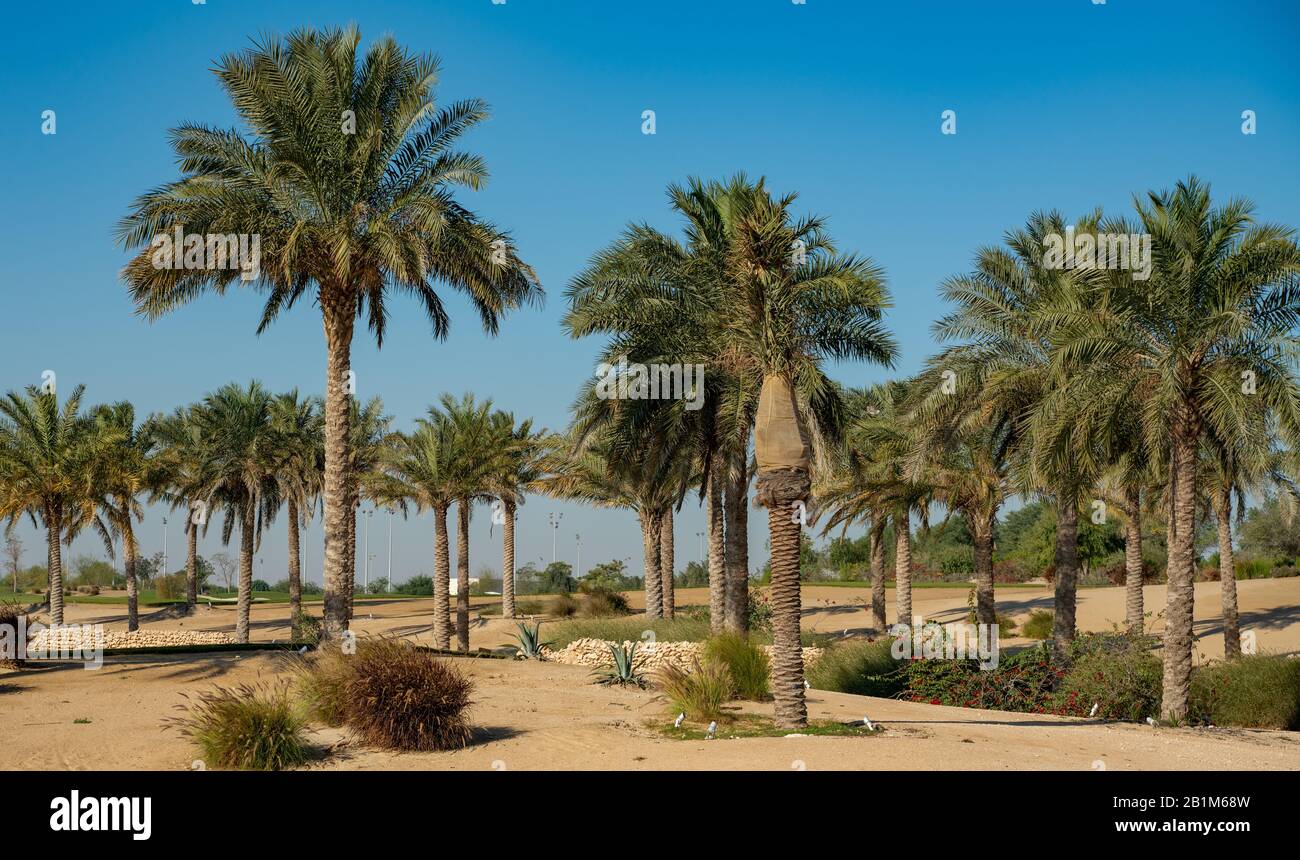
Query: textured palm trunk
[351,550]
[1228,576]
[53,534]
[508,561]
[130,557]
[1133,609]
[245,573]
[903,567]
[339,314]
[778,491]
[736,510]
[717,555]
[191,564]
[878,619]
[667,555]
[462,573]
[441,580]
[654,600]
[1067,574]
[1182,561]
[985,602]
[295,572]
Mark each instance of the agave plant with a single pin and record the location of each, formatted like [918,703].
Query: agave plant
[530,641]
[624,671]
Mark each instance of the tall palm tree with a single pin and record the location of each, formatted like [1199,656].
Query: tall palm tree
[178,479]
[346,177]
[1209,333]
[47,470]
[419,467]
[239,473]
[514,470]
[127,450]
[367,428]
[297,424]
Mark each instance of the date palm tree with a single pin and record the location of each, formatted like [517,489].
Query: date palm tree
[1211,333]
[514,470]
[367,428]
[126,471]
[298,426]
[346,176]
[239,474]
[47,470]
[178,480]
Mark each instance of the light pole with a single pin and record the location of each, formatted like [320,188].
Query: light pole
[700,535]
[365,576]
[578,573]
[554,520]
[164,570]
[388,583]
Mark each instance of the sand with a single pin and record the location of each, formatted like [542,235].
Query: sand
[548,716]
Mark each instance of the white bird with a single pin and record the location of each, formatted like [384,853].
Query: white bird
[302,650]
[677,724]
[1095,706]
[1151,722]
[866,721]
[807,686]
[713,727]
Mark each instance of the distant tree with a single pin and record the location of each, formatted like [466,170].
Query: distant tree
[695,575]
[14,558]
[1269,532]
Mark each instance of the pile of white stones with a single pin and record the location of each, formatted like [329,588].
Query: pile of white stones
[650,656]
[76,636]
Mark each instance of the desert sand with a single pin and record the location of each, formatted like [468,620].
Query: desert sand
[548,716]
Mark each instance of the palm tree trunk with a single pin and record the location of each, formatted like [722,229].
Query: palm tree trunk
[737,537]
[53,534]
[339,313]
[667,555]
[245,573]
[1133,609]
[903,566]
[192,564]
[351,550]
[130,556]
[1182,570]
[778,490]
[1228,576]
[462,573]
[508,561]
[985,602]
[717,555]
[878,578]
[1067,573]
[441,580]
[295,573]
[654,601]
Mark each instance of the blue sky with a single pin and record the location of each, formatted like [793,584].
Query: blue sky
[1060,104]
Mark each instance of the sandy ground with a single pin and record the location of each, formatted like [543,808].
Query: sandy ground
[547,716]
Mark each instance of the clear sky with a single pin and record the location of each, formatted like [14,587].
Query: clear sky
[1064,104]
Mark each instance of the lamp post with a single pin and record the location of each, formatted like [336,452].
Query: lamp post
[164,570]
[578,572]
[365,575]
[700,535]
[388,584]
[554,520]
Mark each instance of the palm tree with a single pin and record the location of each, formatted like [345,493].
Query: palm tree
[297,424]
[178,479]
[239,473]
[126,449]
[47,465]
[419,467]
[515,469]
[367,428]
[1209,333]
[347,180]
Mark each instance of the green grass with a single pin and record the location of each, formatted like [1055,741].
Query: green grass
[1258,692]
[859,667]
[1038,625]
[746,662]
[246,728]
[754,726]
[628,629]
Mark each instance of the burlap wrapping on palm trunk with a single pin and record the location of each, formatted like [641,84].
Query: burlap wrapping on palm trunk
[780,438]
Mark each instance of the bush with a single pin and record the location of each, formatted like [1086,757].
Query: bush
[245,728]
[699,693]
[746,663]
[398,697]
[417,585]
[1025,682]
[1123,686]
[628,629]
[859,667]
[599,603]
[563,605]
[322,682]
[261,585]
[1039,625]
[308,629]
[760,611]
[170,587]
[1257,692]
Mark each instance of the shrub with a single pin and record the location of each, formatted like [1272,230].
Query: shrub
[624,671]
[1259,692]
[308,629]
[170,587]
[860,667]
[1124,685]
[1025,681]
[760,611]
[245,728]
[530,641]
[322,681]
[746,663]
[1039,625]
[600,603]
[563,605]
[699,693]
[398,697]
